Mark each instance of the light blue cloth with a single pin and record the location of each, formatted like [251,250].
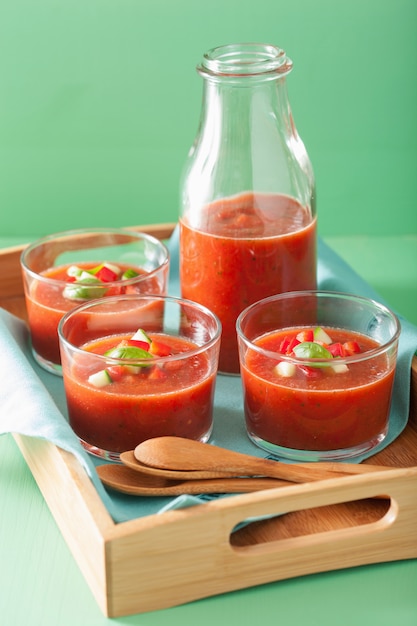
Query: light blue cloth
[32,401]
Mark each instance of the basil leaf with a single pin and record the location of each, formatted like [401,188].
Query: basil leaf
[130,353]
[312,350]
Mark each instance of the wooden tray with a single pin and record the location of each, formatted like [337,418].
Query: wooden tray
[168,559]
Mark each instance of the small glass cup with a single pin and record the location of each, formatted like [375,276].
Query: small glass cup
[49,293]
[333,405]
[115,403]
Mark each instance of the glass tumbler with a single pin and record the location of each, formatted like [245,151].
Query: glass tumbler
[317,374]
[137,367]
[68,268]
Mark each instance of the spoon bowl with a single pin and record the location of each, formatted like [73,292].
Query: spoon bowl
[177,453]
[128,458]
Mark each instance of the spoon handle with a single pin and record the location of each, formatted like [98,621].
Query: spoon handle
[125,480]
[347,468]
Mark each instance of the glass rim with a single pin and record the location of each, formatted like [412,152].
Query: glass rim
[245,59]
[149,298]
[136,235]
[364,356]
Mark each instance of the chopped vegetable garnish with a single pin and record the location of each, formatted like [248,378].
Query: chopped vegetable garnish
[74,270]
[157,373]
[158,348]
[102,275]
[351,347]
[339,368]
[337,349]
[140,335]
[321,335]
[139,351]
[129,274]
[130,353]
[312,350]
[85,287]
[138,344]
[314,345]
[305,335]
[285,369]
[107,275]
[100,379]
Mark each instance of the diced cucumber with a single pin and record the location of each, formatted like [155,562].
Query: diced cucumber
[86,277]
[74,270]
[129,273]
[80,290]
[140,335]
[133,369]
[339,368]
[100,379]
[321,335]
[285,369]
[85,287]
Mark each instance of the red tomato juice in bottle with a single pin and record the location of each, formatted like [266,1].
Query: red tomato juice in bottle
[252,246]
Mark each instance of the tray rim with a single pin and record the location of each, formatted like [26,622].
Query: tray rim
[107,552]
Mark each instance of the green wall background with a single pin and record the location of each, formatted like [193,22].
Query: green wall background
[99,104]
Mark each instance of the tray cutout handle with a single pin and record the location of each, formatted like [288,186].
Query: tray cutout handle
[304,525]
[381,528]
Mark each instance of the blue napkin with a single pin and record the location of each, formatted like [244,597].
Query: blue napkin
[32,401]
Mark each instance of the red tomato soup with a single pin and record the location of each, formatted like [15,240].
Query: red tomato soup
[46,303]
[174,398]
[246,248]
[317,408]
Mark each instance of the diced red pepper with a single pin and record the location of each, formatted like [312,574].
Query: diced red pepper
[288,344]
[310,372]
[305,335]
[138,344]
[114,290]
[293,342]
[130,289]
[116,372]
[284,345]
[70,279]
[337,349]
[158,348]
[106,275]
[351,347]
[174,365]
[157,373]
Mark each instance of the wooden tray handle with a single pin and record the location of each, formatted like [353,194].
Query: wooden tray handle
[211,561]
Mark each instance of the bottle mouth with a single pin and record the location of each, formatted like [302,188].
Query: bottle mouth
[247,59]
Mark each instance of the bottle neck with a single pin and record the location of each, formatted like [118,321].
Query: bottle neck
[246,139]
[253,61]
[244,90]
[242,108]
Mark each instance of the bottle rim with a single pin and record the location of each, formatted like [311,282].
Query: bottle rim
[245,59]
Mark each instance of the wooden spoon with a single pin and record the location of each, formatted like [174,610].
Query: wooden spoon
[129,459]
[123,479]
[178,453]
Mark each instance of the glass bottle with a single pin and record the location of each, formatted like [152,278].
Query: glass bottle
[248,216]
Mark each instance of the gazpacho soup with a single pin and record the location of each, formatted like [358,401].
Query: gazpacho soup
[149,385]
[245,248]
[324,393]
